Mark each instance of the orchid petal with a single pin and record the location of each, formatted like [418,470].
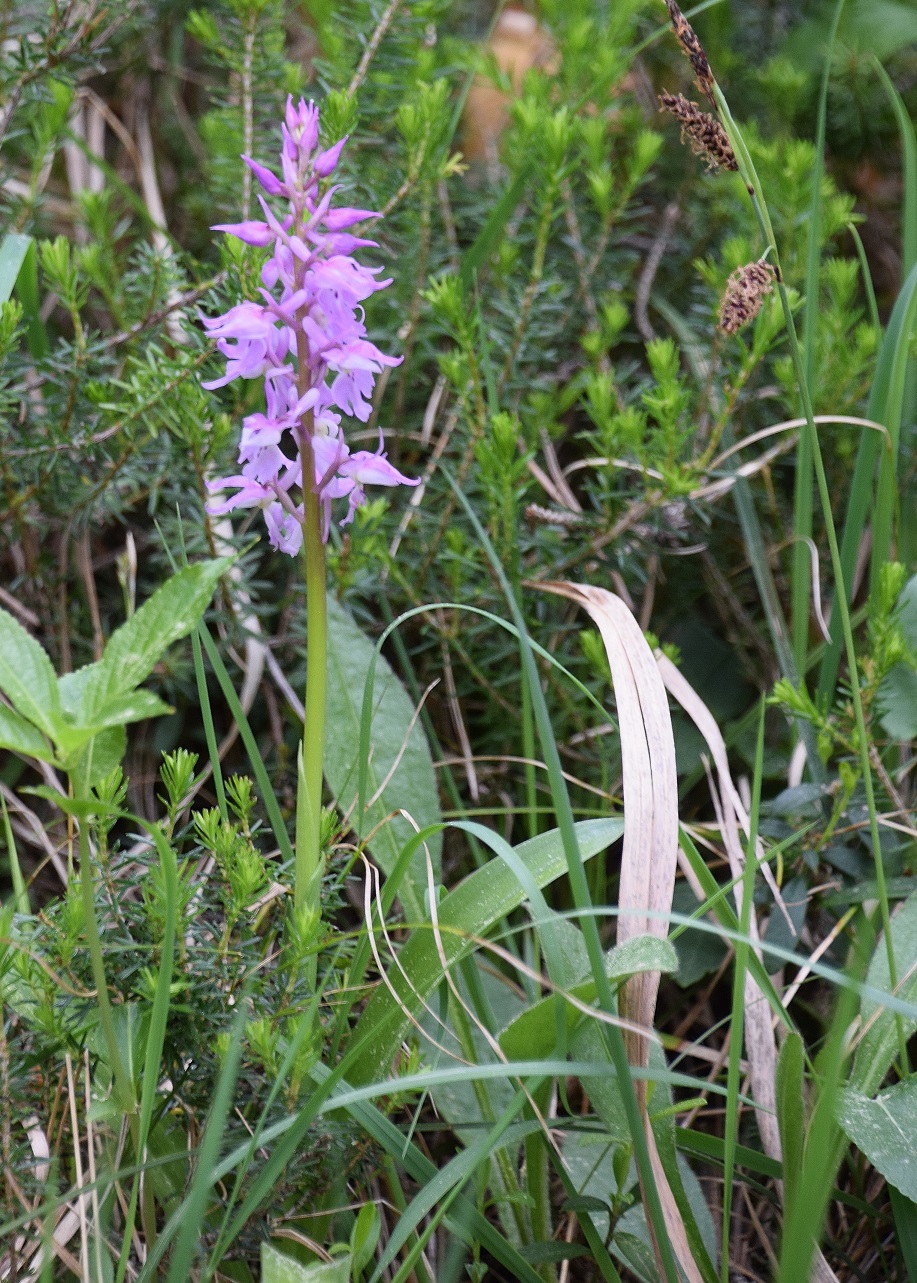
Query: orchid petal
[268,180]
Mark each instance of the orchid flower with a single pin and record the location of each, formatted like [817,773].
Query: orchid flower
[306,340]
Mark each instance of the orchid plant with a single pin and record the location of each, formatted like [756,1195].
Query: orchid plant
[307,341]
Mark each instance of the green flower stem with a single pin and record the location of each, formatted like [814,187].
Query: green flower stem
[309,867]
[747,170]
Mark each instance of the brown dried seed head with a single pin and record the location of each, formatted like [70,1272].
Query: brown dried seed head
[746,290]
[705,135]
[693,50]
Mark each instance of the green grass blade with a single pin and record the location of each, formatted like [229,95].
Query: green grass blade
[248,739]
[20,893]
[866,274]
[579,885]
[203,703]
[823,1149]
[909,166]
[477,253]
[444,1187]
[756,551]
[885,406]
[467,1224]
[740,972]
[194,1206]
[887,496]
[905,1214]
[466,914]
[907,529]
[718,903]
[156,1037]
[803,502]
[200,677]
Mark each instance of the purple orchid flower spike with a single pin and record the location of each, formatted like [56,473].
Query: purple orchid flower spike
[307,341]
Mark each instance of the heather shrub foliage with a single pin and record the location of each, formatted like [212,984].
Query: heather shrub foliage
[365,911]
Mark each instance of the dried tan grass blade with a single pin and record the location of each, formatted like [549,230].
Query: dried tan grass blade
[760,1046]
[650,846]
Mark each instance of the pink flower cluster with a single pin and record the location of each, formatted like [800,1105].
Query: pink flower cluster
[307,341]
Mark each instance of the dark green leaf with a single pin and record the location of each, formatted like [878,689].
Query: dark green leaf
[400,763]
[883,1129]
[879,1044]
[896,703]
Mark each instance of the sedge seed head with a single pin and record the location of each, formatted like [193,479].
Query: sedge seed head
[746,290]
[704,134]
[692,49]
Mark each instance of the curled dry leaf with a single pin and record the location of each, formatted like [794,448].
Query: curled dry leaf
[650,848]
[650,845]
[760,1047]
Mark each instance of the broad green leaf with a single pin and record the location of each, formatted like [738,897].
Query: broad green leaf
[83,808]
[400,763]
[276,1267]
[884,1130]
[134,707]
[896,703]
[72,689]
[19,271]
[470,911]
[27,677]
[99,757]
[13,249]
[879,1044]
[136,647]
[534,1032]
[896,700]
[22,737]
[631,1243]
[632,1247]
